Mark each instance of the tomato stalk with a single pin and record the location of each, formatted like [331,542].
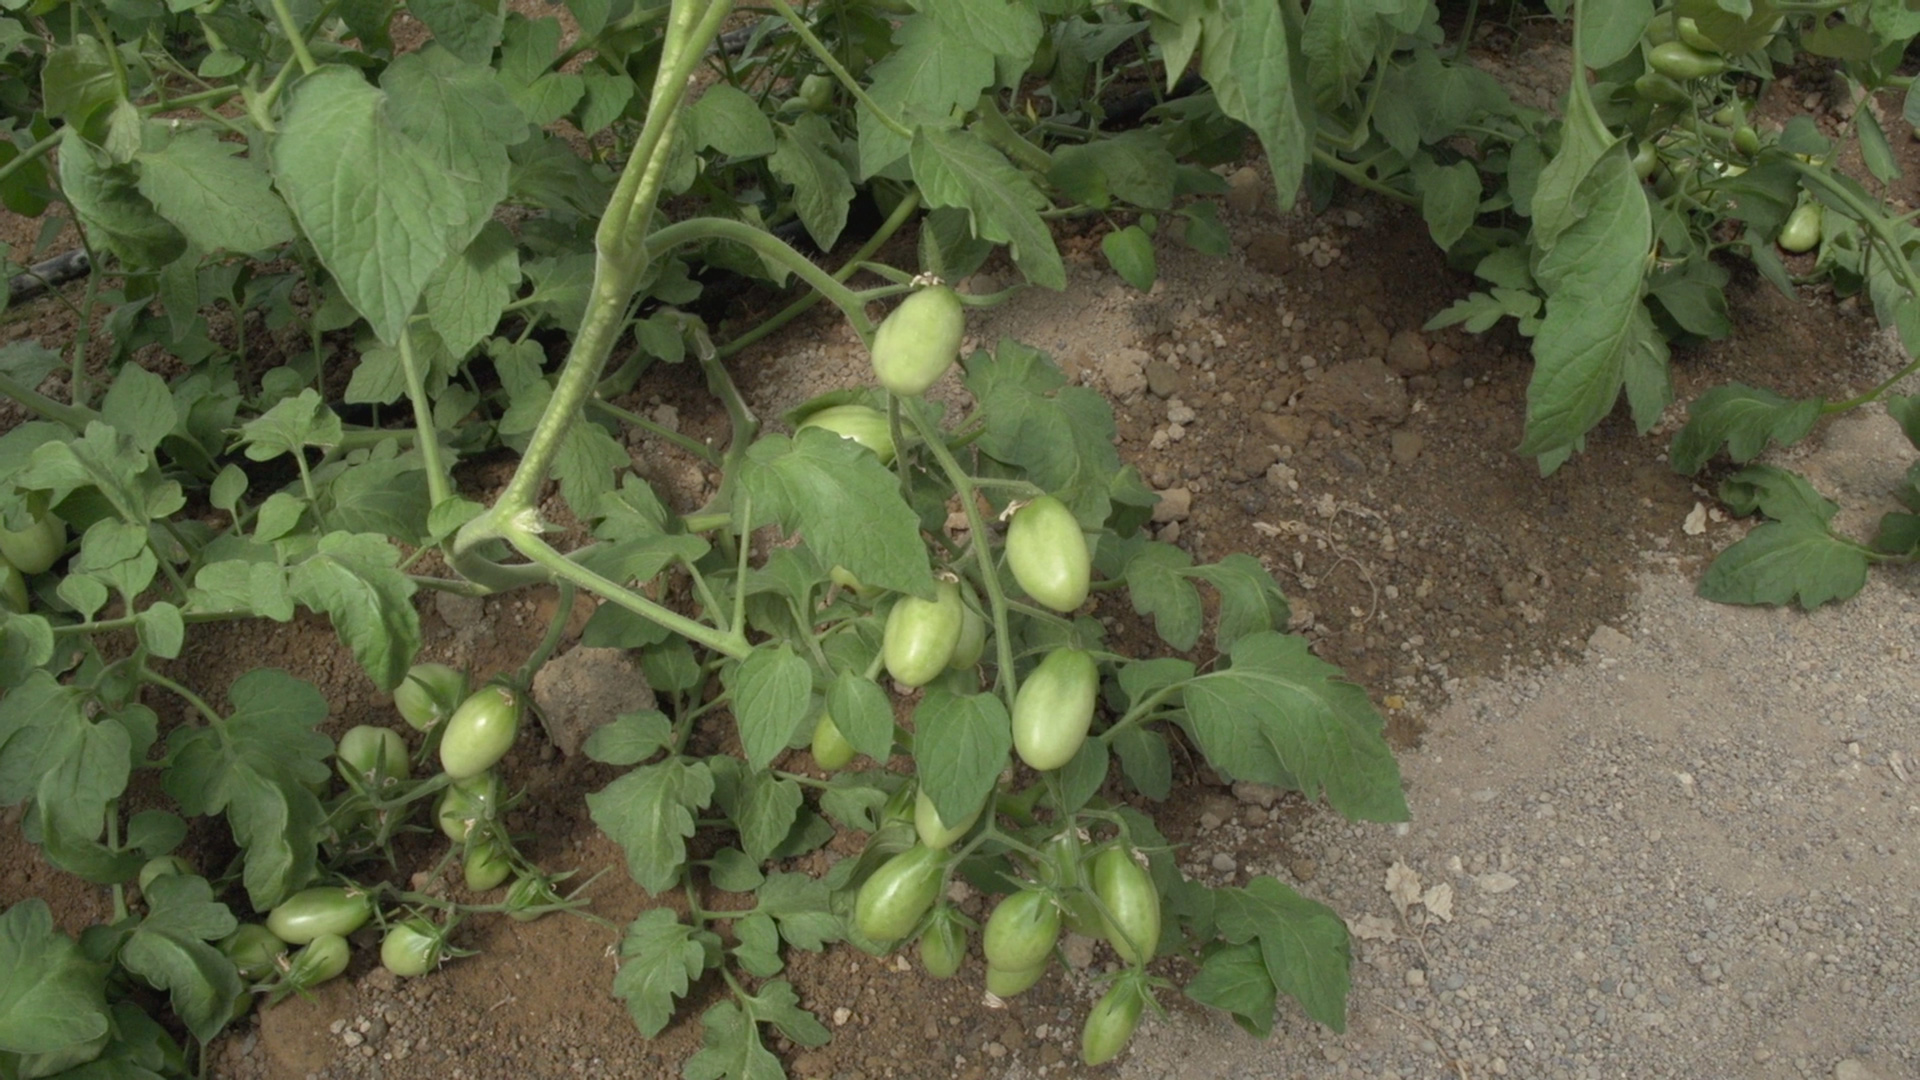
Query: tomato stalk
[1889,246]
[839,70]
[439,485]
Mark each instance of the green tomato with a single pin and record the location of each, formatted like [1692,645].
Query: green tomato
[973,638]
[1746,140]
[844,578]
[163,866]
[919,341]
[1678,60]
[921,635]
[429,694]
[1110,1025]
[831,750]
[1689,32]
[485,865]
[892,900]
[312,913]
[944,945]
[868,427]
[1054,708]
[370,754]
[1645,159]
[412,948]
[1660,30]
[1006,982]
[13,590]
[1048,554]
[254,950]
[37,547]
[816,90]
[1021,932]
[324,958]
[932,831]
[466,803]
[480,732]
[1660,90]
[1801,233]
[1132,924]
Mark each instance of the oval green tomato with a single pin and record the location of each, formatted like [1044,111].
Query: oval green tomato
[973,639]
[1022,930]
[1746,140]
[1006,982]
[1054,708]
[412,948]
[943,946]
[429,694]
[1111,1023]
[921,635]
[1645,160]
[13,590]
[480,732]
[1690,33]
[324,909]
[324,957]
[817,91]
[831,750]
[1048,554]
[35,548]
[863,425]
[892,900]
[1660,90]
[919,341]
[465,803]
[163,866]
[1132,924]
[485,865]
[253,949]
[1678,60]
[1801,233]
[933,832]
[371,754]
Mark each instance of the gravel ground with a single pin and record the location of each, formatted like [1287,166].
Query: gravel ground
[1692,854]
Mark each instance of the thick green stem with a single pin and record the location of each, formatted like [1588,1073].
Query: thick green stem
[1359,178]
[980,541]
[43,406]
[30,154]
[769,246]
[819,49]
[993,127]
[439,482]
[295,36]
[692,446]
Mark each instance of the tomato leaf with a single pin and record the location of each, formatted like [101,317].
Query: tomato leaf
[106,199]
[1303,944]
[1251,59]
[726,119]
[649,813]
[862,712]
[1235,979]
[844,502]
[631,738]
[1282,716]
[858,799]
[1060,435]
[659,959]
[1160,587]
[758,950]
[71,766]
[771,689]
[467,294]
[470,29]
[1130,252]
[804,158]
[730,1048]
[1742,418]
[381,211]
[353,577]
[802,905]
[169,949]
[1250,600]
[53,997]
[1144,760]
[960,744]
[221,202]
[1784,560]
[256,766]
[960,169]
[921,81]
[763,807]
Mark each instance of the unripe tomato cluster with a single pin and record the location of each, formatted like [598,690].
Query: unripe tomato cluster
[25,552]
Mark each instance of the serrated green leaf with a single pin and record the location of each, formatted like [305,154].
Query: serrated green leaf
[1611,30]
[1280,715]
[139,406]
[161,629]
[1784,560]
[292,424]
[1250,600]
[763,807]
[631,738]
[467,294]
[862,712]
[822,191]
[802,906]
[1145,760]
[726,119]
[78,79]
[607,98]
[922,81]
[1340,41]
[470,29]
[770,693]
[26,642]
[844,502]
[648,812]
[1742,418]
[384,496]
[758,948]
[960,744]
[1251,59]
[353,578]
[1029,408]
[107,200]
[53,997]
[169,949]
[1130,252]
[659,961]
[1303,944]
[256,768]
[219,201]
[1776,492]
[381,211]
[1235,980]
[855,799]
[70,766]
[731,871]
[730,1049]
[1449,198]
[1160,587]
[1135,167]
[959,169]
[997,27]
